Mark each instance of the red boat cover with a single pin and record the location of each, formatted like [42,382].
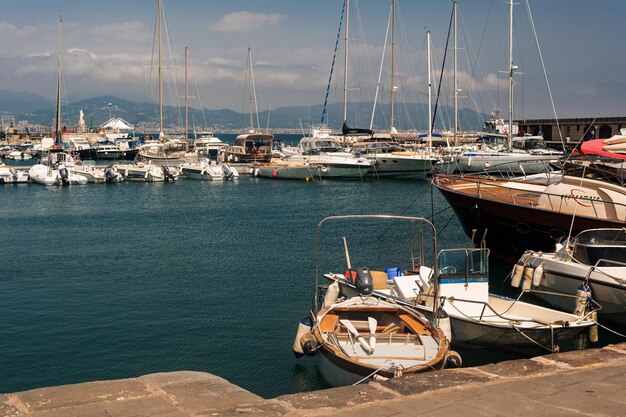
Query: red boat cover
[594,147]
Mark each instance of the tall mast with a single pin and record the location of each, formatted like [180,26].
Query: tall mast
[345,65]
[160,71]
[512,69]
[430,99]
[456,88]
[186,104]
[251,88]
[59,67]
[393,47]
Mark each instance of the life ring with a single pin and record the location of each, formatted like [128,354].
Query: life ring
[575,151]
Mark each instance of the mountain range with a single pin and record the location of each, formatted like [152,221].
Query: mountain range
[38,110]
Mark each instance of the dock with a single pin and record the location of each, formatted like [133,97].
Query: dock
[579,383]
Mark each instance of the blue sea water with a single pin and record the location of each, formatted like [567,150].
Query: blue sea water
[114,281]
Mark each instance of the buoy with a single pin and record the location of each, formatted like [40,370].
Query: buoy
[528,277]
[444,323]
[275,172]
[453,360]
[516,276]
[309,344]
[469,162]
[331,294]
[582,295]
[593,330]
[304,327]
[538,275]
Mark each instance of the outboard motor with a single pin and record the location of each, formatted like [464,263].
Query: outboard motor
[109,174]
[364,282]
[64,174]
[169,176]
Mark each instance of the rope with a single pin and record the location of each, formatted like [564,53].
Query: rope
[553,350]
[332,66]
[610,330]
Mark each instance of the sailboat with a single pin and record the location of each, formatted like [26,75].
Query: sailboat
[252,146]
[209,151]
[165,151]
[54,169]
[506,159]
[390,160]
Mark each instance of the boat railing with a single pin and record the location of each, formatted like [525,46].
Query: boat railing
[478,181]
[505,170]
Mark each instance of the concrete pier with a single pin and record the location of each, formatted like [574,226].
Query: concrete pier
[580,383]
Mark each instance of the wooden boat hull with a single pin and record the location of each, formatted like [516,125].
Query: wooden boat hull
[512,229]
[338,372]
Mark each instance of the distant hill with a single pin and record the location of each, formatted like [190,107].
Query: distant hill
[144,115]
[15,103]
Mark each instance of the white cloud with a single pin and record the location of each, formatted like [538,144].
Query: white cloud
[245,21]
[9,29]
[125,31]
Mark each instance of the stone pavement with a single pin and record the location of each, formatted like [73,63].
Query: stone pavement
[581,383]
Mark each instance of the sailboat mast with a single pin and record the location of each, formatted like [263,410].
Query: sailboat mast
[59,68]
[512,68]
[186,104]
[160,70]
[345,65]
[456,88]
[250,81]
[393,49]
[430,94]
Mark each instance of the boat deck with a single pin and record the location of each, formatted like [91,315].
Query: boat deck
[486,189]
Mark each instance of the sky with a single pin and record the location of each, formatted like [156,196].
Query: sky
[108,47]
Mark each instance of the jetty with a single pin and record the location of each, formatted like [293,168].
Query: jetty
[577,383]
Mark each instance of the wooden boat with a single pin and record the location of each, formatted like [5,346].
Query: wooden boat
[593,261]
[523,214]
[402,342]
[361,337]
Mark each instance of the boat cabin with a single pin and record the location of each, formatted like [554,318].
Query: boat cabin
[463,274]
[314,146]
[601,247]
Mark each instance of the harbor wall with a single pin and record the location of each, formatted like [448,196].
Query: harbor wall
[585,382]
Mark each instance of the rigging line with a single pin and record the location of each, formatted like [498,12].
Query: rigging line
[445,225]
[472,85]
[173,89]
[543,66]
[380,71]
[332,66]
[405,210]
[443,66]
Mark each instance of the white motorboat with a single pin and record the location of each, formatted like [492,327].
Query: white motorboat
[594,261]
[56,169]
[98,175]
[147,172]
[458,285]
[18,156]
[208,170]
[10,175]
[392,161]
[332,158]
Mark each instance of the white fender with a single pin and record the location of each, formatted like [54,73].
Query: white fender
[538,275]
[516,276]
[331,294]
[528,277]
